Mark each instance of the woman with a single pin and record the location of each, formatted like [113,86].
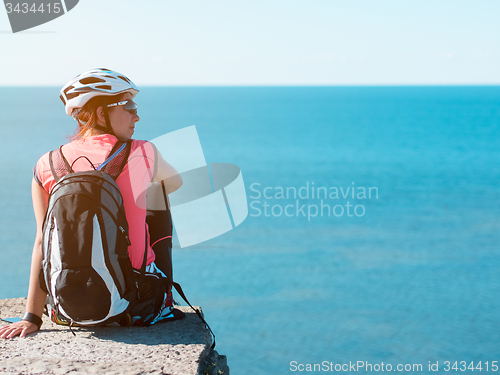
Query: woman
[101,101]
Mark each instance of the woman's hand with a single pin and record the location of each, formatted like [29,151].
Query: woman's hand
[21,328]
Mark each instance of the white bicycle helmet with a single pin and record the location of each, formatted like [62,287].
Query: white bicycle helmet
[96,82]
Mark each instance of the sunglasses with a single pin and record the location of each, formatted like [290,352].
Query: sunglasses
[128,105]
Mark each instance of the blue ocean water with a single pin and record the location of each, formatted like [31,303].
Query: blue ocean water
[412,278]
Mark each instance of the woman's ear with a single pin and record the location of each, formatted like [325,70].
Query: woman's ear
[100,115]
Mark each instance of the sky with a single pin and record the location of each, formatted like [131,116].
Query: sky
[261,42]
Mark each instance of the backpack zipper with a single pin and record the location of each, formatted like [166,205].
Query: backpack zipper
[125,234]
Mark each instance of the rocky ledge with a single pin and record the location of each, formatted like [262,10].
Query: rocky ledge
[179,347]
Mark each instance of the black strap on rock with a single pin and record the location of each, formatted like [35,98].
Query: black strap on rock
[181,293]
[32,318]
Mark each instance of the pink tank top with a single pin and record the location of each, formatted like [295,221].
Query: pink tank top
[133,182]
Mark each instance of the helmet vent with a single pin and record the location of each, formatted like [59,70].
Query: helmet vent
[68,88]
[104,87]
[124,78]
[90,80]
[73,95]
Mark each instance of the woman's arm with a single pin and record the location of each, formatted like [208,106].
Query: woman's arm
[171,179]
[166,173]
[36,296]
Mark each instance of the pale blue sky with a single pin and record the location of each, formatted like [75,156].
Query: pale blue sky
[262,42]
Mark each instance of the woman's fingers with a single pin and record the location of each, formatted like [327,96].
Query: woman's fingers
[23,332]
[9,333]
[14,333]
[30,329]
[21,329]
[6,332]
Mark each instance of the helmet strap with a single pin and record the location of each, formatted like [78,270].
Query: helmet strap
[106,129]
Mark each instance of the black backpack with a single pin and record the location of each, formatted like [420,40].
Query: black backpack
[86,268]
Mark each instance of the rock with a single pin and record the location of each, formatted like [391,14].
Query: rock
[179,347]
[215,364]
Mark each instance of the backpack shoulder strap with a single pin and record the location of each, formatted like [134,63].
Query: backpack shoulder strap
[59,166]
[117,159]
[68,167]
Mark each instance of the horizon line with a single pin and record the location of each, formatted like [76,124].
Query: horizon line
[288,85]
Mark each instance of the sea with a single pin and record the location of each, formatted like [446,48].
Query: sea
[372,241]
